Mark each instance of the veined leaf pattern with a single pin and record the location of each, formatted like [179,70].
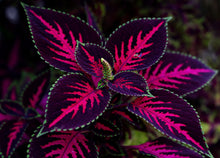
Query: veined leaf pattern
[89,57]
[75,102]
[129,83]
[11,108]
[138,44]
[172,116]
[35,90]
[10,135]
[179,73]
[165,148]
[105,128]
[62,145]
[56,34]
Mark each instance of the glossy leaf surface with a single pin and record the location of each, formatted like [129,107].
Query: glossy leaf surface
[56,34]
[35,90]
[129,83]
[165,148]
[172,116]
[89,58]
[75,102]
[179,73]
[10,135]
[71,144]
[138,44]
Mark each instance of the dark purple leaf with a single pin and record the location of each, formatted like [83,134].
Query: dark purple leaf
[179,73]
[129,83]
[105,128]
[75,102]
[138,44]
[12,108]
[165,148]
[35,90]
[114,148]
[62,145]
[31,113]
[12,93]
[10,135]
[89,58]
[56,34]
[172,116]
[127,115]
[91,19]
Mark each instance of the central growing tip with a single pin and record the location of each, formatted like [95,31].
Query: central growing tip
[107,70]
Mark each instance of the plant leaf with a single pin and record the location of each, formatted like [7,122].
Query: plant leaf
[105,128]
[179,73]
[138,44]
[172,116]
[129,83]
[10,135]
[55,35]
[75,102]
[35,90]
[114,148]
[62,145]
[91,19]
[89,57]
[127,115]
[12,108]
[165,148]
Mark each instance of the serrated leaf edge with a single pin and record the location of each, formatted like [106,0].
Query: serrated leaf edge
[67,129]
[178,141]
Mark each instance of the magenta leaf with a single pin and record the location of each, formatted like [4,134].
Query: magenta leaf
[35,90]
[12,108]
[75,102]
[89,58]
[10,135]
[165,148]
[56,34]
[105,128]
[172,116]
[138,44]
[129,83]
[179,73]
[68,144]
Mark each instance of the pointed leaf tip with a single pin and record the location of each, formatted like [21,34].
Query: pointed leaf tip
[138,44]
[55,35]
[178,73]
[172,116]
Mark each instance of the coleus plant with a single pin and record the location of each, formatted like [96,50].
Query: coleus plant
[129,77]
[20,113]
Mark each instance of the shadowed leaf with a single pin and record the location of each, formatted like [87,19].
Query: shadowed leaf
[165,148]
[62,145]
[172,116]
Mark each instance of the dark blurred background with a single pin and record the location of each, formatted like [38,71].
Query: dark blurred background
[194,29]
